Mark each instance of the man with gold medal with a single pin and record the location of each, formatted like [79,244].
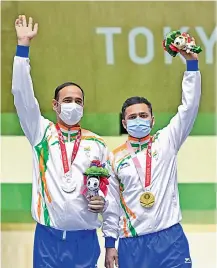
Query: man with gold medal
[146,215]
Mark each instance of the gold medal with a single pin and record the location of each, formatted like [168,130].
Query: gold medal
[147,200]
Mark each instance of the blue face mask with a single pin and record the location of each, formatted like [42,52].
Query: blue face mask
[138,127]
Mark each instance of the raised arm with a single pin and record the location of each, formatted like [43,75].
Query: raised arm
[182,123]
[22,88]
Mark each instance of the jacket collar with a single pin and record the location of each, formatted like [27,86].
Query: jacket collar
[72,130]
[139,143]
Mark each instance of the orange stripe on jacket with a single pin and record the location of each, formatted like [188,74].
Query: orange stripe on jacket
[39,206]
[133,215]
[126,234]
[41,167]
[120,148]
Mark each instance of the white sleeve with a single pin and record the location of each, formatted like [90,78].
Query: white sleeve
[104,158]
[182,123]
[111,215]
[25,102]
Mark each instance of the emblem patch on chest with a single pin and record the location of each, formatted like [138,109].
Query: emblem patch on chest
[124,165]
[155,155]
[87,150]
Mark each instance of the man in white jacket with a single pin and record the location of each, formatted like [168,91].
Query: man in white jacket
[65,235]
[146,214]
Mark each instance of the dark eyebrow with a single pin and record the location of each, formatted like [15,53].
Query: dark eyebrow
[132,114]
[67,98]
[70,98]
[143,113]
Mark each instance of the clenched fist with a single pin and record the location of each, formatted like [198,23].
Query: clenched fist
[96,204]
[25,32]
[189,56]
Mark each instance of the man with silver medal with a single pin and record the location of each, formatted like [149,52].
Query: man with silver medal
[143,171]
[66,221]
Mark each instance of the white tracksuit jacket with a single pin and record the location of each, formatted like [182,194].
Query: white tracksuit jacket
[51,206]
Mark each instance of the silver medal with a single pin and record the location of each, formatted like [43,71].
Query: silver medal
[68,184]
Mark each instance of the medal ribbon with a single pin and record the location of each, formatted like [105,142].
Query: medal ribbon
[138,165]
[63,149]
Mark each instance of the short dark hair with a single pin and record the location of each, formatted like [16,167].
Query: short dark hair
[66,84]
[132,101]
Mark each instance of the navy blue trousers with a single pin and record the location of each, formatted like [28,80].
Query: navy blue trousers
[73,249]
[164,249]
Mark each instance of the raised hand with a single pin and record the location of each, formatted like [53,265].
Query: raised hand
[189,56]
[25,32]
